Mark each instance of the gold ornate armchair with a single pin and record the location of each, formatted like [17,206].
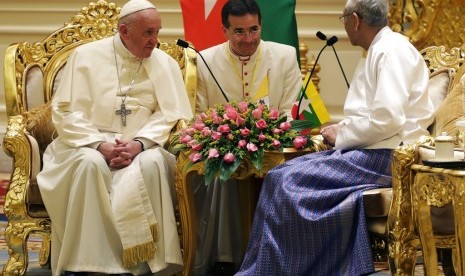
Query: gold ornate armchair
[32,71]
[404,232]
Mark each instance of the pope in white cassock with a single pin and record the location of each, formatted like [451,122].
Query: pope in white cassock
[106,179]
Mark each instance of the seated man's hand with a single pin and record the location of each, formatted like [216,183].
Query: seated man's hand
[329,133]
[107,150]
[125,152]
[120,154]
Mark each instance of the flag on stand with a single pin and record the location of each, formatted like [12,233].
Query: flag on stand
[202,22]
[312,111]
[279,23]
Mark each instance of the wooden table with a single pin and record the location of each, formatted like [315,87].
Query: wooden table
[186,200]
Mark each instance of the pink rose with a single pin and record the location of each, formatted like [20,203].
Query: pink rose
[276,131]
[243,107]
[213,153]
[285,126]
[229,157]
[245,132]
[261,107]
[230,114]
[195,156]
[274,114]
[252,147]
[276,143]
[261,124]
[199,125]
[300,142]
[185,139]
[224,128]
[206,132]
[261,137]
[195,146]
[217,119]
[216,135]
[257,113]
[203,116]
[189,131]
[240,121]
[242,143]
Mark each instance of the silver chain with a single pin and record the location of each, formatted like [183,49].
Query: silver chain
[131,84]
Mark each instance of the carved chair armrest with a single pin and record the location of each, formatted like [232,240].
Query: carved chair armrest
[19,145]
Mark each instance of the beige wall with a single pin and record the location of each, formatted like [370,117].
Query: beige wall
[32,20]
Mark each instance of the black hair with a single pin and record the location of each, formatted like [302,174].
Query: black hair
[239,8]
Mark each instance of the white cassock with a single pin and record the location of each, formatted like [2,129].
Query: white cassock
[273,68]
[103,220]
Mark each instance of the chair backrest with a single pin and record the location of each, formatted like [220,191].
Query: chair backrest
[429,22]
[446,70]
[440,57]
[32,70]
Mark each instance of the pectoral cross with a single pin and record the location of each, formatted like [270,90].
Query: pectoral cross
[123,112]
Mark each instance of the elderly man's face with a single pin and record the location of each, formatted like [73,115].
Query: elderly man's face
[141,36]
[347,19]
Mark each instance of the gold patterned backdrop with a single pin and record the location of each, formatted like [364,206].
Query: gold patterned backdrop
[430,22]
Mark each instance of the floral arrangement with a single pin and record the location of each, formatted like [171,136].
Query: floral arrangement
[223,136]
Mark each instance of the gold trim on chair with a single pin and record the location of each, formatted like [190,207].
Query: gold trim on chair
[435,187]
[20,224]
[403,238]
[402,242]
[96,21]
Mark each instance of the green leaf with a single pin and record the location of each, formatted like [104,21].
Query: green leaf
[227,169]
[257,159]
[300,125]
[212,167]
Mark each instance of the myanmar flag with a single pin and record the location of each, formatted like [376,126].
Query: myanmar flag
[312,111]
[202,22]
[279,23]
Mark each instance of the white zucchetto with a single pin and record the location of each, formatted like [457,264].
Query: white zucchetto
[133,6]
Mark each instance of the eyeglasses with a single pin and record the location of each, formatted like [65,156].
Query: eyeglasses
[242,33]
[343,17]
